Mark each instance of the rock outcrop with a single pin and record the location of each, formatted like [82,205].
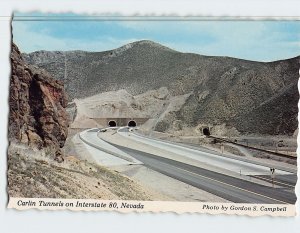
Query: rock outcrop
[37,107]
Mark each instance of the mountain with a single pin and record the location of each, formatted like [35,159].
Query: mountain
[37,103]
[251,97]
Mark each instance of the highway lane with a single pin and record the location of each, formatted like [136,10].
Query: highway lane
[205,157]
[103,152]
[227,187]
[285,178]
[241,158]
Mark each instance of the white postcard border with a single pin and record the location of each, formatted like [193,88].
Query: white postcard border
[123,206]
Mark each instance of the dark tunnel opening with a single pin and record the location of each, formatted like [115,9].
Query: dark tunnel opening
[112,123]
[206,131]
[131,124]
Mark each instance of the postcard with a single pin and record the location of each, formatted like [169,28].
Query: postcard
[160,114]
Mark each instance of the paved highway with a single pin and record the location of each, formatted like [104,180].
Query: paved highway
[205,157]
[227,187]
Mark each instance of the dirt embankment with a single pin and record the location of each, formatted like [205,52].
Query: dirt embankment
[33,175]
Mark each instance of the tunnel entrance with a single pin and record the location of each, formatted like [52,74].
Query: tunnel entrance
[112,123]
[131,124]
[206,131]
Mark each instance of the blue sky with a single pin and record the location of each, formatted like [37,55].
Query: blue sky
[251,40]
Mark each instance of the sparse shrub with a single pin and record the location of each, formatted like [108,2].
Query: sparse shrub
[162,126]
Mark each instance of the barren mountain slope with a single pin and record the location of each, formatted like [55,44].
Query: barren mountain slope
[278,115]
[224,90]
[262,100]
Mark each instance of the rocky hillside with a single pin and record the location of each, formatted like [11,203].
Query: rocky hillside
[238,93]
[277,115]
[37,107]
[256,99]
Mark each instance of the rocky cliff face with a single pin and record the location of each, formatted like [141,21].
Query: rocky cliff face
[37,107]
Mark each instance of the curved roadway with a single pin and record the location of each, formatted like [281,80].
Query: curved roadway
[228,187]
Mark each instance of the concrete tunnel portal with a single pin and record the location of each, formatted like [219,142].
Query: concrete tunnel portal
[131,123]
[112,123]
[205,131]
[121,121]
